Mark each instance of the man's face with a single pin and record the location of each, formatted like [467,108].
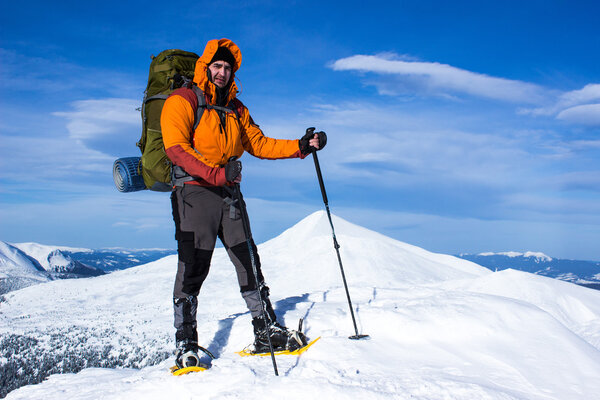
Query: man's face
[220,72]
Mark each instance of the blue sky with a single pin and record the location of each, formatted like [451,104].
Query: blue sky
[454,126]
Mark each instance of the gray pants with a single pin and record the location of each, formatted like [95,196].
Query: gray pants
[202,214]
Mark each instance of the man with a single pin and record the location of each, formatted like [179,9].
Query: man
[203,206]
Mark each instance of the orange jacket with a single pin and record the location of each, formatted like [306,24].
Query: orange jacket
[205,151]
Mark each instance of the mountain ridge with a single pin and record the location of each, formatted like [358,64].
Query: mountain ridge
[63,262]
[580,272]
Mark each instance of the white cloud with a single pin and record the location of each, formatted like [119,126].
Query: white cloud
[412,147]
[103,218]
[389,146]
[585,144]
[555,206]
[587,114]
[93,118]
[589,93]
[440,79]
[55,76]
[33,159]
[577,106]
[579,180]
[400,75]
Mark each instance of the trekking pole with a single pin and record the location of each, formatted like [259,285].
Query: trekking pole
[356,336]
[248,233]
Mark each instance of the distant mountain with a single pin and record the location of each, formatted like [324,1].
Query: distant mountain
[106,260]
[115,259]
[18,270]
[26,264]
[585,273]
[57,262]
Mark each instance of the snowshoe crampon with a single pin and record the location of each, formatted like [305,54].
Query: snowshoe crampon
[190,362]
[250,352]
[175,370]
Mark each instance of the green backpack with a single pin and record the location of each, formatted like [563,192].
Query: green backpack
[169,70]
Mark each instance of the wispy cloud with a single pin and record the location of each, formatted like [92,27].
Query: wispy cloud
[439,79]
[29,159]
[93,118]
[587,114]
[424,146]
[400,75]
[57,77]
[580,106]
[106,217]
[74,155]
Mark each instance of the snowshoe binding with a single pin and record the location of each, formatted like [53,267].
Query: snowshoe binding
[282,338]
[187,359]
[187,354]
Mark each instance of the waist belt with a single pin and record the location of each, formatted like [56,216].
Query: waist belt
[179,176]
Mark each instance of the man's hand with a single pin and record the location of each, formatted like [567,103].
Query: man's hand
[312,141]
[233,171]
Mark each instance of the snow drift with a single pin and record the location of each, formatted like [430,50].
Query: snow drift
[440,327]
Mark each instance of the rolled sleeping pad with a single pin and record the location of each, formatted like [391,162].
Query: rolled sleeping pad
[126,176]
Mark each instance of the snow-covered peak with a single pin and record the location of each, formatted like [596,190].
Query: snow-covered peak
[513,254]
[369,258]
[12,258]
[42,252]
[538,255]
[17,270]
[58,260]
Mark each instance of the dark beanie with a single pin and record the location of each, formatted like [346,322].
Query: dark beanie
[223,54]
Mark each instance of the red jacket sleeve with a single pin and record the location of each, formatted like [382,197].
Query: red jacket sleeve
[177,121]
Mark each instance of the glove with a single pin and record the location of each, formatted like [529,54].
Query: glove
[233,170]
[305,147]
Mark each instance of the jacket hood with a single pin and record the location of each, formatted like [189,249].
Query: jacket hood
[201,77]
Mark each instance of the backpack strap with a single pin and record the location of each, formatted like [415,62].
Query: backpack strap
[201,106]
[236,106]
[147,99]
[155,97]
[233,106]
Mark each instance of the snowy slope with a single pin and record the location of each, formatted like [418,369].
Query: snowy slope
[57,262]
[42,252]
[440,327]
[54,258]
[17,270]
[38,263]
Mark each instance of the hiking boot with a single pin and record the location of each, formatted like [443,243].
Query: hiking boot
[282,338]
[187,354]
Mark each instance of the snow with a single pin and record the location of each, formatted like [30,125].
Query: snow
[16,270]
[440,327]
[58,261]
[12,261]
[538,255]
[533,254]
[42,252]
